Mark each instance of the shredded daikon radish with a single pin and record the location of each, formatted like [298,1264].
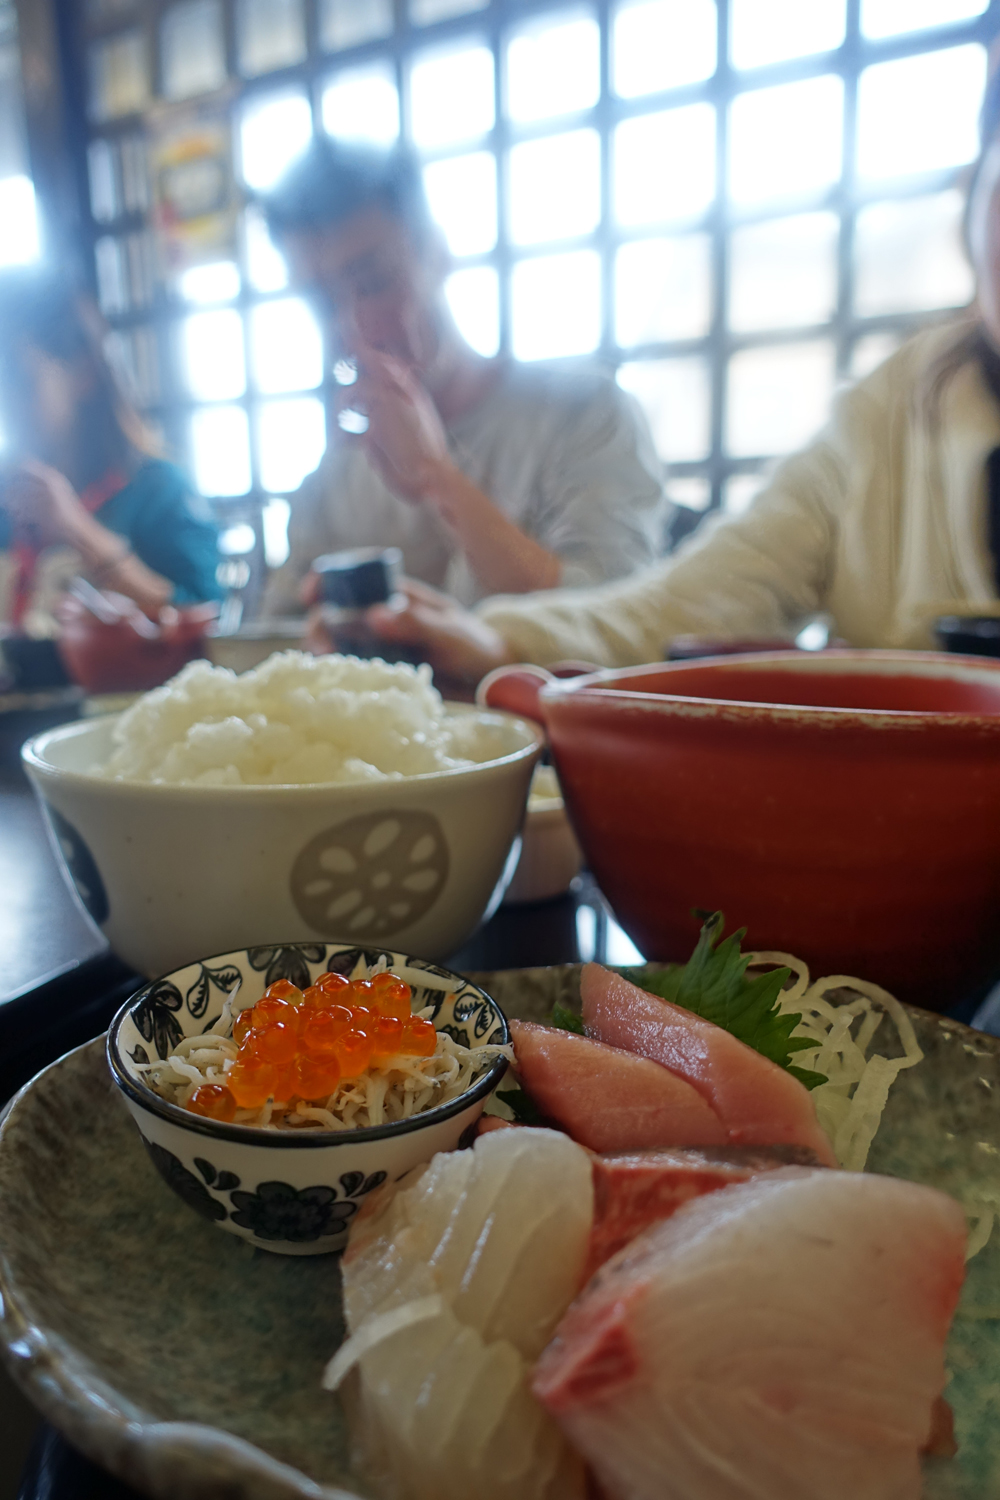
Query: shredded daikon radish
[374,1330]
[979,1233]
[393,1090]
[849,1105]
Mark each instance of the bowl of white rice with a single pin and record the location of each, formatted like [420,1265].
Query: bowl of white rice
[315,798]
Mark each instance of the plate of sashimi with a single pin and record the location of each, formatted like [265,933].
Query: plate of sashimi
[726,1232]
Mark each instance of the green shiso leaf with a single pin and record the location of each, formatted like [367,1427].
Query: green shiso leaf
[566,1019]
[521,1106]
[714,985]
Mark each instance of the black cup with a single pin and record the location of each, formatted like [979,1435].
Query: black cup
[969,635]
[350,582]
[362,577]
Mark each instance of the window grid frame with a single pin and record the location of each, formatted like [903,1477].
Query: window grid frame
[493,24]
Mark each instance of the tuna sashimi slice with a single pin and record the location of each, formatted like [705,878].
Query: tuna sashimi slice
[783,1337]
[609,1099]
[758,1103]
[633,1190]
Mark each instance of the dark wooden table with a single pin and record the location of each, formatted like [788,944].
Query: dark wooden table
[54,963]
[41,927]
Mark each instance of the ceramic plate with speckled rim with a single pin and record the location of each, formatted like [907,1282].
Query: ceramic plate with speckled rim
[189,1363]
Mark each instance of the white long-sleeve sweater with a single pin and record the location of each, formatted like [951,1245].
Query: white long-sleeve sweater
[881,523]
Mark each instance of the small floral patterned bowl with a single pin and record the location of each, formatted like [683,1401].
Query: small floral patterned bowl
[289,1191]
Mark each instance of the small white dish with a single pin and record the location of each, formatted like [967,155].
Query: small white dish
[550,853]
[294,1192]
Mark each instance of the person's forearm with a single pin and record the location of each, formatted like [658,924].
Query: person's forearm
[503,559]
[112,564]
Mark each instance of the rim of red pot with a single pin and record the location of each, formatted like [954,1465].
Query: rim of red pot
[609,687]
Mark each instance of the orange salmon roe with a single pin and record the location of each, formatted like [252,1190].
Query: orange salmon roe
[316,1077]
[316,998]
[213,1101]
[283,989]
[276,1043]
[296,1044]
[243,1024]
[251,1081]
[353,1051]
[419,1038]
[286,1082]
[272,1009]
[387,1034]
[331,983]
[320,1031]
[391,996]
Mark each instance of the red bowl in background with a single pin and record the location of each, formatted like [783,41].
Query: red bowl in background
[126,652]
[842,806]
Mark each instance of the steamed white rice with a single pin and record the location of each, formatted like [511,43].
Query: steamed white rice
[296,719]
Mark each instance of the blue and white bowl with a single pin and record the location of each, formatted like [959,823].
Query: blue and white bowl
[294,1192]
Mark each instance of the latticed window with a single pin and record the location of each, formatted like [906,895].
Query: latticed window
[19,236]
[734,203]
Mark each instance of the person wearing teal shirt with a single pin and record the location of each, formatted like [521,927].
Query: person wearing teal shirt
[84,490]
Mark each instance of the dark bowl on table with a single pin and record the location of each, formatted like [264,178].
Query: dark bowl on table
[843,806]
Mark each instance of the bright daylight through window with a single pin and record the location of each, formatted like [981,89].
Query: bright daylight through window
[19,230]
[735,204]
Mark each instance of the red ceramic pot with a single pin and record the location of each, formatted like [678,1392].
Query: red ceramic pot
[843,806]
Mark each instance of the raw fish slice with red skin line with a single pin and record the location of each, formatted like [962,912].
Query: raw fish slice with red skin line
[758,1103]
[782,1339]
[636,1189]
[609,1099]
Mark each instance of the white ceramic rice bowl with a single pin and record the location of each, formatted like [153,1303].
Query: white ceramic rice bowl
[294,1192]
[167,870]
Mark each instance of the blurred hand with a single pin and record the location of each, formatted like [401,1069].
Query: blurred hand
[459,646]
[309,589]
[405,440]
[43,505]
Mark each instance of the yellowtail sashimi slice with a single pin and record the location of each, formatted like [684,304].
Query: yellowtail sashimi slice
[782,1338]
[608,1099]
[633,1190]
[758,1103]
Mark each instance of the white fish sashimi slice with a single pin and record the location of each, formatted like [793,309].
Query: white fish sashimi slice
[489,1246]
[448,1417]
[387,1258]
[512,1257]
[778,1340]
[479,1403]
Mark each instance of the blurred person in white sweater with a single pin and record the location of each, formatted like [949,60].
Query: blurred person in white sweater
[890,518]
